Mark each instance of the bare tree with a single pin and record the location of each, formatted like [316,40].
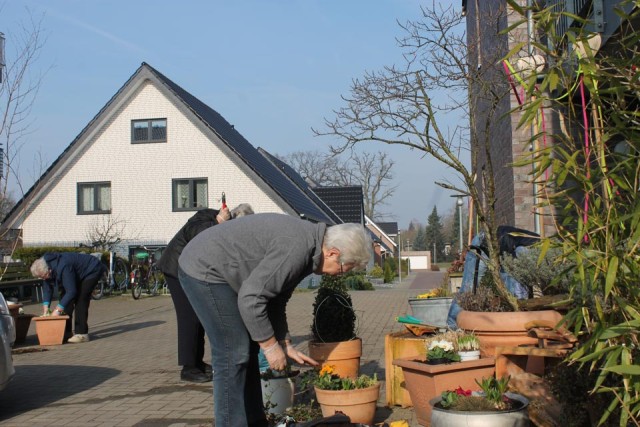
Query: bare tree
[373,171]
[18,92]
[406,106]
[106,231]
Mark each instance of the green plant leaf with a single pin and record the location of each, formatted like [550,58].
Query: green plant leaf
[612,272]
[624,369]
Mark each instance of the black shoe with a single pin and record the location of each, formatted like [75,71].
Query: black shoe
[194,375]
[206,368]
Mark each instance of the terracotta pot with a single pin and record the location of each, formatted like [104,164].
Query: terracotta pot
[23,321]
[495,329]
[344,356]
[359,404]
[50,329]
[513,418]
[424,382]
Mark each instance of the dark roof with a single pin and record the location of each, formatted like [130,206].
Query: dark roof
[389,228]
[301,183]
[345,201]
[282,185]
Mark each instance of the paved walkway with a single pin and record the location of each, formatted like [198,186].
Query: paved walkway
[128,374]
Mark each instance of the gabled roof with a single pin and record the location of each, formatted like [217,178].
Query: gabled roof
[370,222]
[249,155]
[301,183]
[345,201]
[390,228]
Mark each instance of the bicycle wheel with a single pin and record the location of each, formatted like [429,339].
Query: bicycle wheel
[99,289]
[136,285]
[121,275]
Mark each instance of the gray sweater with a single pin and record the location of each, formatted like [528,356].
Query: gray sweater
[262,257]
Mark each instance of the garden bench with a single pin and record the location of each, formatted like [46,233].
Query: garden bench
[16,276]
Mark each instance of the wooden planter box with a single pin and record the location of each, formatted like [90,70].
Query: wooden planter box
[400,345]
[424,382]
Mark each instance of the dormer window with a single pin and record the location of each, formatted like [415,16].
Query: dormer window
[148,130]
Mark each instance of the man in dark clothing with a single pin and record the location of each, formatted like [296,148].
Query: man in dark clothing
[190,330]
[76,275]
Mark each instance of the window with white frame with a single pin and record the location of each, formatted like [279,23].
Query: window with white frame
[190,194]
[94,198]
[148,130]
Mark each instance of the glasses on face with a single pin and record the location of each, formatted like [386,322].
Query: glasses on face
[341,268]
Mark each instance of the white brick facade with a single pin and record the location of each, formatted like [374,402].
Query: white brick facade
[141,176]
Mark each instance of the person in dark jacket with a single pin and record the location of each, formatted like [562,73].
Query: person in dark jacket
[76,275]
[190,330]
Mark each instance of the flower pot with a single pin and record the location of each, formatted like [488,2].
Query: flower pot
[517,417]
[344,356]
[431,311]
[469,355]
[23,321]
[424,382]
[50,329]
[279,393]
[507,329]
[359,404]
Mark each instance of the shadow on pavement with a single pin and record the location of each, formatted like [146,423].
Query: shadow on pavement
[99,333]
[35,386]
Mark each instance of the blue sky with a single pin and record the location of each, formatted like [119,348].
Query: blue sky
[274,69]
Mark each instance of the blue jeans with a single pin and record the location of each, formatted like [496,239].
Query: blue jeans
[237,395]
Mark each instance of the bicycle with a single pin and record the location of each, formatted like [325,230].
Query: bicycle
[146,275]
[115,279]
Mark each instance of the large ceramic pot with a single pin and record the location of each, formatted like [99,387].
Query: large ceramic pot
[517,417]
[279,393]
[50,329]
[431,311]
[424,381]
[358,404]
[507,329]
[344,356]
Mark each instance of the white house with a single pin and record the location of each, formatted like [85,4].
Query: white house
[152,156]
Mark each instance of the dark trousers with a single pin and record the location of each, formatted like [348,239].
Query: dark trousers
[190,330]
[80,305]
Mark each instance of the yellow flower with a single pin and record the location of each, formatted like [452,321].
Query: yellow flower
[326,370]
[401,423]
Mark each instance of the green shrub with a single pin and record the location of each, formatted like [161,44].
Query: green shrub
[376,272]
[388,273]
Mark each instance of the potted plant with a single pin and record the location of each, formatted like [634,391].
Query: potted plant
[468,346]
[492,407]
[432,307]
[425,381]
[357,398]
[278,389]
[334,339]
[441,351]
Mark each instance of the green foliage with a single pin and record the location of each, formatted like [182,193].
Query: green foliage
[325,379]
[434,235]
[492,398]
[589,176]
[468,342]
[333,316]
[356,281]
[420,240]
[376,272]
[388,273]
[29,254]
[542,275]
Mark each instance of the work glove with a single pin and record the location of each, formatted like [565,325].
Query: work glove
[275,356]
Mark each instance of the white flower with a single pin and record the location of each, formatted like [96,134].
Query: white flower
[444,345]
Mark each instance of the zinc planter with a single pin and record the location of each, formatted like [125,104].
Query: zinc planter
[23,321]
[431,311]
[425,382]
[279,393]
[517,417]
[50,329]
[344,356]
[469,355]
[358,404]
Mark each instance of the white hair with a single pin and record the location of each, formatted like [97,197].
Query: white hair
[241,210]
[353,242]
[39,268]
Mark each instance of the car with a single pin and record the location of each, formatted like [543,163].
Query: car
[8,337]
